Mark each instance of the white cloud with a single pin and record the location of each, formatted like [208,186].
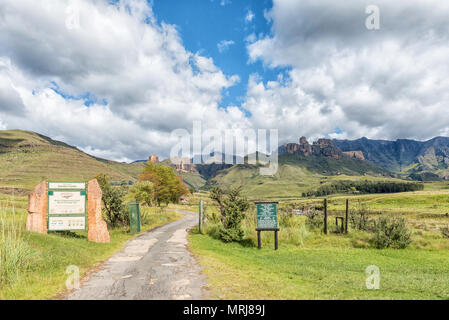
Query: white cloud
[224,45]
[249,16]
[390,83]
[120,54]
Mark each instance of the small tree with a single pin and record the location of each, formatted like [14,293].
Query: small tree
[168,186]
[217,194]
[143,191]
[232,207]
[113,208]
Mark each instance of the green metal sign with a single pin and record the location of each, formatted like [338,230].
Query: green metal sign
[67,206]
[267,215]
[134,217]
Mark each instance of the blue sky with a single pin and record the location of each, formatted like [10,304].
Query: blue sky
[204,25]
[105,76]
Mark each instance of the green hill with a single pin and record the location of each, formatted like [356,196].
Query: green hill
[27,158]
[297,174]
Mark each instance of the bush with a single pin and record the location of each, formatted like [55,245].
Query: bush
[445,232]
[142,192]
[115,212]
[359,220]
[315,220]
[391,233]
[231,234]
[232,208]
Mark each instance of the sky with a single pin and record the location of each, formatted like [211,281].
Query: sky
[115,78]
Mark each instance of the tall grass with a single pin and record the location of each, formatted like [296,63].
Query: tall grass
[15,254]
[293,228]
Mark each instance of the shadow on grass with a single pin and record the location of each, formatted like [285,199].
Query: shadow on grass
[71,234]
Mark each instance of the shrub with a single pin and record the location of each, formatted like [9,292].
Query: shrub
[231,234]
[445,232]
[391,233]
[359,220]
[315,219]
[115,212]
[232,208]
[142,192]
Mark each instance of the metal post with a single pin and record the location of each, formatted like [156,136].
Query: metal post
[276,246]
[200,211]
[347,216]
[325,216]
[259,240]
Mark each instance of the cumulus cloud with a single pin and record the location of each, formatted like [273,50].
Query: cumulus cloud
[144,81]
[388,83]
[224,45]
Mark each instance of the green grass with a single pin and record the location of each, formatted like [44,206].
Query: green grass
[43,276]
[323,269]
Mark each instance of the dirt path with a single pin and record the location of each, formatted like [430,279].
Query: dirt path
[154,266]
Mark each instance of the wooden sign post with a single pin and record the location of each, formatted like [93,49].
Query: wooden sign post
[347,216]
[200,213]
[267,220]
[325,216]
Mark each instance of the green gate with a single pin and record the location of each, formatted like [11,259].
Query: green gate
[134,217]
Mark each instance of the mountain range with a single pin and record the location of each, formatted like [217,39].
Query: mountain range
[421,160]
[26,158]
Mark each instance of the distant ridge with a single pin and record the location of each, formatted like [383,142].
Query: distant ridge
[404,156]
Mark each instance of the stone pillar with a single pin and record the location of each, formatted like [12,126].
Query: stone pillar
[37,209]
[98,230]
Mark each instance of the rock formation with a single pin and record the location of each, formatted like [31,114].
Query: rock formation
[327,148]
[37,209]
[98,230]
[322,147]
[154,159]
[355,154]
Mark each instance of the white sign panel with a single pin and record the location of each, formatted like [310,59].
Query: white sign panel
[67,203]
[67,185]
[66,223]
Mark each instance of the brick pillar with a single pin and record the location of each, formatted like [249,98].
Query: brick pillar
[38,209]
[98,230]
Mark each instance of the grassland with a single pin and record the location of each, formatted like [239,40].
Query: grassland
[43,276]
[326,269]
[311,265]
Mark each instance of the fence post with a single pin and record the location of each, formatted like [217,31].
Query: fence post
[347,216]
[325,216]
[200,211]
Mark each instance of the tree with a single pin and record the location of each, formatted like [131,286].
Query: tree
[168,186]
[217,194]
[113,207]
[232,207]
[143,191]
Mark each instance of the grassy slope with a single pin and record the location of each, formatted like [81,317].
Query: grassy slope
[296,175]
[193,179]
[27,158]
